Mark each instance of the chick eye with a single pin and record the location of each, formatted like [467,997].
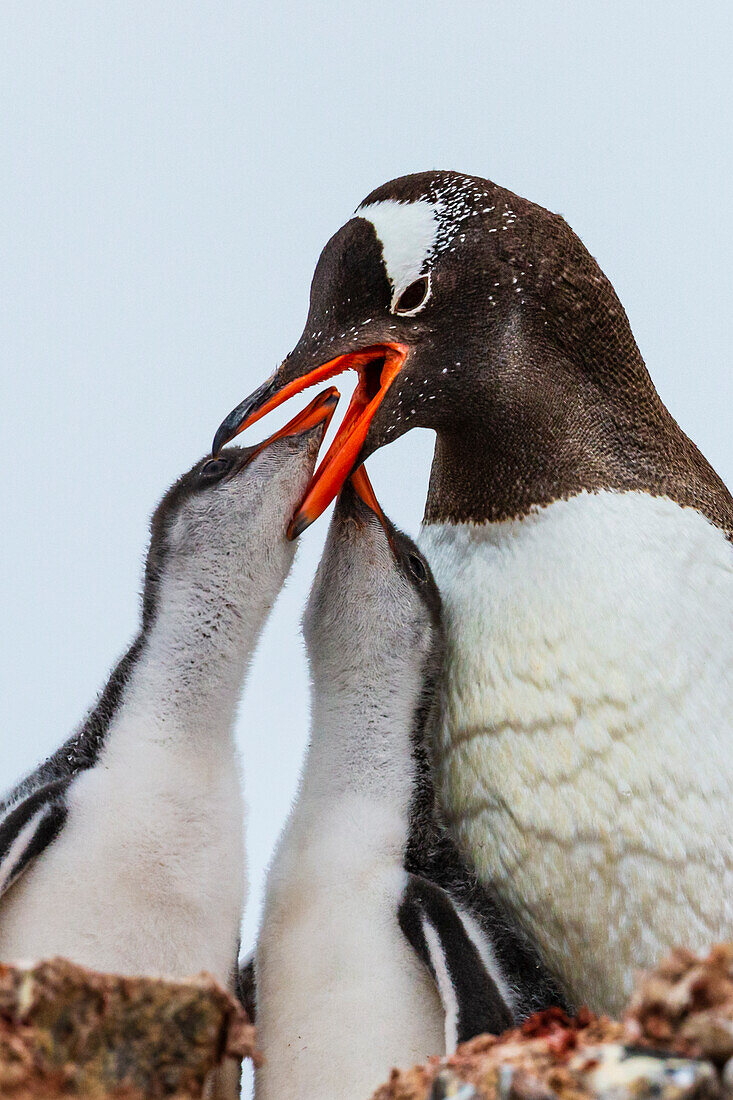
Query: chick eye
[414,297]
[214,469]
[417,568]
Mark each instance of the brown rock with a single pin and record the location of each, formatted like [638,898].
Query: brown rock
[66,1031]
[674,1040]
[523,1063]
[686,1005]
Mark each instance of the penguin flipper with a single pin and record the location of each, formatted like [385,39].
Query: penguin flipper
[458,954]
[28,827]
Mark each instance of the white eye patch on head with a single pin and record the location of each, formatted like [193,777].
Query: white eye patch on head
[407,232]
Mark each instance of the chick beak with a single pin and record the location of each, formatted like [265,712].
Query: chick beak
[363,488]
[377,366]
[320,411]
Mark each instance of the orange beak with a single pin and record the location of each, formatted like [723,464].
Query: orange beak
[363,488]
[320,411]
[378,366]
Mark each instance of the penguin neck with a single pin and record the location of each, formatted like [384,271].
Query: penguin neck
[195,650]
[541,424]
[362,743]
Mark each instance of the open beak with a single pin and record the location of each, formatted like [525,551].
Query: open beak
[320,411]
[377,366]
[363,489]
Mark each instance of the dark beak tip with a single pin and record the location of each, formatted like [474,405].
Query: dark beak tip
[297,527]
[222,437]
[232,424]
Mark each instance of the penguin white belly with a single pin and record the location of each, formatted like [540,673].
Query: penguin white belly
[147,874]
[587,748]
[341,995]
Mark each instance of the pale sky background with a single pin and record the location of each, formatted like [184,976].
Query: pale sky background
[169,172]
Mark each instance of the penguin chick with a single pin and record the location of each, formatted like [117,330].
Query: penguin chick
[124,850]
[378,946]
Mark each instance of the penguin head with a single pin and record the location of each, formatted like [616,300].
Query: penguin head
[222,526]
[434,292]
[373,621]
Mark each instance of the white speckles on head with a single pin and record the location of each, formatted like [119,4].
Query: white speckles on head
[407,232]
[413,233]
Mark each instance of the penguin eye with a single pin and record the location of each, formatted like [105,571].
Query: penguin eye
[414,297]
[214,469]
[417,568]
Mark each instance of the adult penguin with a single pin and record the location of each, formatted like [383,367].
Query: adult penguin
[582,545]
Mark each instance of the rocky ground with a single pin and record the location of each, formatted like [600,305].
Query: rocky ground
[675,1042]
[66,1031]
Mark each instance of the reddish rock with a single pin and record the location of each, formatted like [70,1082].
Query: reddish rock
[675,1042]
[66,1032]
